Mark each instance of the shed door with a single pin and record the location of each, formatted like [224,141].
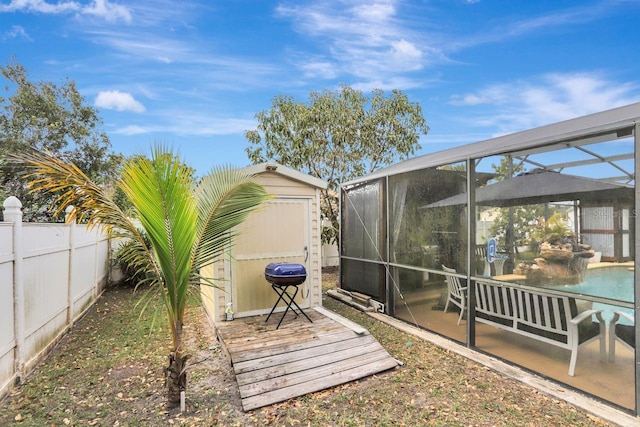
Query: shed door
[278,232]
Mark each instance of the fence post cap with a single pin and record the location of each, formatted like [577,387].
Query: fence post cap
[12,202]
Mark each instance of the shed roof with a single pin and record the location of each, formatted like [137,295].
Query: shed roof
[599,127]
[288,172]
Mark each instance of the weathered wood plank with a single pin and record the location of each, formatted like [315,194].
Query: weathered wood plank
[258,352]
[314,373]
[316,359]
[294,356]
[300,357]
[240,326]
[283,340]
[241,336]
[345,376]
[343,321]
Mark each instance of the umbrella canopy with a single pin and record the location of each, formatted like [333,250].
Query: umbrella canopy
[541,187]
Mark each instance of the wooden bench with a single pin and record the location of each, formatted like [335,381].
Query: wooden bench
[549,318]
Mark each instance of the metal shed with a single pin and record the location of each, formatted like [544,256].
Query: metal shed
[286,228]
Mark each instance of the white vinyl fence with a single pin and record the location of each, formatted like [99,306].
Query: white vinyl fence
[50,274]
[330,255]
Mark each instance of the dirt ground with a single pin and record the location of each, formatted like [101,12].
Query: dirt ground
[108,371]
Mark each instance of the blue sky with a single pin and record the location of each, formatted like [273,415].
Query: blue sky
[193,74]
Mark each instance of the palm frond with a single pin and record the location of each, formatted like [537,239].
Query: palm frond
[91,202]
[73,188]
[161,191]
[225,198]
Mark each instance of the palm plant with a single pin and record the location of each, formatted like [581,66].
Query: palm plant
[553,230]
[188,226]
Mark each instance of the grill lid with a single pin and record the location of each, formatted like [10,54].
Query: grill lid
[277,269]
[280,273]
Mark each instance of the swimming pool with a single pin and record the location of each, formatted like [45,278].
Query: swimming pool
[613,283]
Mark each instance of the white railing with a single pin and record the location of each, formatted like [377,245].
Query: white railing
[50,274]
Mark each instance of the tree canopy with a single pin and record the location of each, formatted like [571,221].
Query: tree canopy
[512,225]
[44,116]
[337,136]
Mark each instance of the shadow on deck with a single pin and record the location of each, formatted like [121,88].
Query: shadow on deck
[272,365]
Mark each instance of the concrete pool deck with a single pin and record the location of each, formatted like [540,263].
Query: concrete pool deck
[601,265]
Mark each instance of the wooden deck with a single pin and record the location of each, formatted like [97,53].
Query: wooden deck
[273,365]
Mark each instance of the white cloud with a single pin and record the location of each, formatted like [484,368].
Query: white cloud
[495,94]
[407,54]
[390,83]
[559,19]
[109,11]
[16,32]
[196,63]
[366,39]
[40,6]
[100,8]
[206,125]
[147,45]
[190,123]
[131,130]
[547,99]
[322,69]
[119,101]
[376,11]
[378,40]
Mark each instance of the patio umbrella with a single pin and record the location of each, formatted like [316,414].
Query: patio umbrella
[541,187]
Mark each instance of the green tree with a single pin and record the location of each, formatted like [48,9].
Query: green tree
[337,136]
[46,116]
[513,225]
[186,227]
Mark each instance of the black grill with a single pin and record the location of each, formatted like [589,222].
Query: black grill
[282,276]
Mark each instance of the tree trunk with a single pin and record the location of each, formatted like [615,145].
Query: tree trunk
[176,377]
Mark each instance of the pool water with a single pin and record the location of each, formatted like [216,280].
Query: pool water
[615,284]
[608,283]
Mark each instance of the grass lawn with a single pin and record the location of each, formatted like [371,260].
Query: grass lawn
[109,372]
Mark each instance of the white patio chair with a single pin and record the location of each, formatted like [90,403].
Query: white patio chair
[620,332]
[457,293]
[481,255]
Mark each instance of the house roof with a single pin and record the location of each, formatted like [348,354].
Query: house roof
[599,127]
[541,187]
[279,169]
